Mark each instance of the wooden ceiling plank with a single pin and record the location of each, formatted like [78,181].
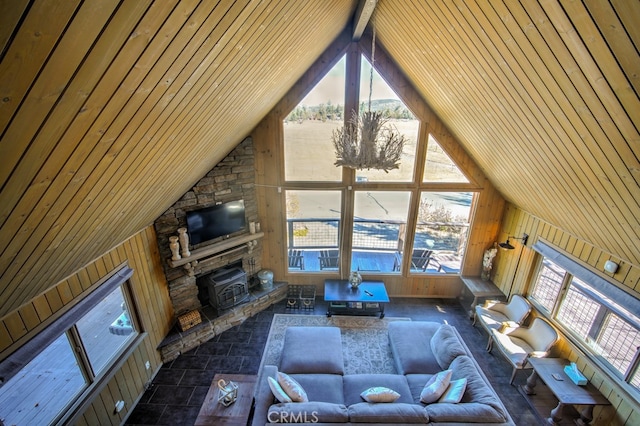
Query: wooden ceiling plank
[36,237]
[46,90]
[119,68]
[628,12]
[45,150]
[605,159]
[11,14]
[531,91]
[612,88]
[169,154]
[617,39]
[31,46]
[541,142]
[462,66]
[548,100]
[184,35]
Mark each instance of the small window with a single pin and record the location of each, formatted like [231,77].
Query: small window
[105,330]
[44,387]
[69,357]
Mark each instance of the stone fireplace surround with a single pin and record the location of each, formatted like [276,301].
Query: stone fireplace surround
[231,179]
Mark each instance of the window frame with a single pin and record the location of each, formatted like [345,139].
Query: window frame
[589,283]
[64,323]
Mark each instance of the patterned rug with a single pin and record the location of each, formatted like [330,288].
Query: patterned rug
[365,340]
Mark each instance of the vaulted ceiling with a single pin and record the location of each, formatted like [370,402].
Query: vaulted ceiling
[110,110]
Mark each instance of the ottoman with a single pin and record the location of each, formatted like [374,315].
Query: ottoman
[310,350]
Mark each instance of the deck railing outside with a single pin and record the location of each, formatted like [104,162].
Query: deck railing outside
[381,240]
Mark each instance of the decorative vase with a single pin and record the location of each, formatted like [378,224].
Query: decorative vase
[184,242]
[355,279]
[175,248]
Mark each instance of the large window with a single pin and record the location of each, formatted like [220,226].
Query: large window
[69,357]
[596,315]
[340,219]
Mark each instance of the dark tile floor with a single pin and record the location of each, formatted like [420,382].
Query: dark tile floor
[180,387]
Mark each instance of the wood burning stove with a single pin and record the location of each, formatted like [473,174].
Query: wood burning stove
[226,287]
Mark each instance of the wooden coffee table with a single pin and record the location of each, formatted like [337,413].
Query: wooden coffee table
[236,414]
[368,299]
[551,372]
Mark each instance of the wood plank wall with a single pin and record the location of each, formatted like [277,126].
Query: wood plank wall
[268,140]
[150,293]
[516,222]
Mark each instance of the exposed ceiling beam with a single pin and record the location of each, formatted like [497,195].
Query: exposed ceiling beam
[362,17]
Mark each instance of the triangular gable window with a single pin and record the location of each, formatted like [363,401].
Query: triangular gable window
[308,150]
[439,167]
[385,99]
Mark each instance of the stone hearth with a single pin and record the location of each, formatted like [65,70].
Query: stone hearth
[214,323]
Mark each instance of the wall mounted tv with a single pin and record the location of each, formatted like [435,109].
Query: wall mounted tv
[216,221]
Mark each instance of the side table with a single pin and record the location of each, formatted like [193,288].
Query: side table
[551,372]
[236,414]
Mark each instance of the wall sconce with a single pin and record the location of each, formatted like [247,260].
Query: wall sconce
[611,267]
[507,246]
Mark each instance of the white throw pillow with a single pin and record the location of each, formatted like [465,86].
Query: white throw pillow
[292,387]
[436,386]
[380,394]
[277,391]
[454,392]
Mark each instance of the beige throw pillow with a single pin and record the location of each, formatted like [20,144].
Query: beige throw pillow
[291,387]
[277,390]
[380,394]
[454,392]
[435,387]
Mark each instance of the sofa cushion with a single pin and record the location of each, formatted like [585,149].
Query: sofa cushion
[379,394]
[291,387]
[478,390]
[411,348]
[446,346]
[298,355]
[277,390]
[454,392]
[355,384]
[435,387]
[322,387]
[308,412]
[365,412]
[470,412]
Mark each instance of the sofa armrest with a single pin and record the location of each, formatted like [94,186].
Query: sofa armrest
[263,397]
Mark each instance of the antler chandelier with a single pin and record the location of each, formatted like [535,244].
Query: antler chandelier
[368,141]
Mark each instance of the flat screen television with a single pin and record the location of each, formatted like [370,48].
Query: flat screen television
[216,221]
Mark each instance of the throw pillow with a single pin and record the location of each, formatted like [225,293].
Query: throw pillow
[454,392]
[277,390]
[291,387]
[380,394]
[436,386]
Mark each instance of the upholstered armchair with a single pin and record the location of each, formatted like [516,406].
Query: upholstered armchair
[495,314]
[519,343]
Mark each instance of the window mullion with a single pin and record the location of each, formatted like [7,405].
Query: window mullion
[566,282]
[81,354]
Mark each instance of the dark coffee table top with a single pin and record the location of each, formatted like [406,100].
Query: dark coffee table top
[367,291]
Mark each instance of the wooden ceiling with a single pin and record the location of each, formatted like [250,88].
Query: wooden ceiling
[110,110]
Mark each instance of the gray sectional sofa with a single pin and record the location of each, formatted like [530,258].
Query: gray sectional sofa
[420,350]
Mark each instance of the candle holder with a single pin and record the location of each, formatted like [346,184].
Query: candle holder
[227,392]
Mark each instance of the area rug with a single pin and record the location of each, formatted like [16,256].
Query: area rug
[365,340]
